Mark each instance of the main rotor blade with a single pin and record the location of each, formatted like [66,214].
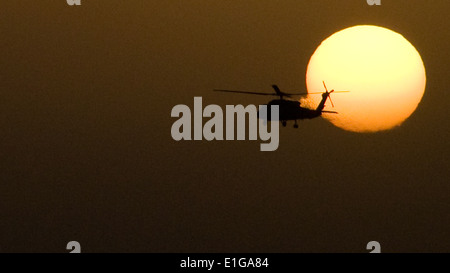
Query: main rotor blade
[315,93]
[260,93]
[296,94]
[246,92]
[281,93]
[312,93]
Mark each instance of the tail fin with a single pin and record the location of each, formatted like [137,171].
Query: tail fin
[322,102]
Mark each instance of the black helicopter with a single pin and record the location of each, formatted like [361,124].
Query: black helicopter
[291,109]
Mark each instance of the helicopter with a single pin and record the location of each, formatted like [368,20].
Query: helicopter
[291,109]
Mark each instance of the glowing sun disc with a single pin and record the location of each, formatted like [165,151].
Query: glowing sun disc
[383,71]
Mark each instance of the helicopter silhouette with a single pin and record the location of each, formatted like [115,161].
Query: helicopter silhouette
[291,109]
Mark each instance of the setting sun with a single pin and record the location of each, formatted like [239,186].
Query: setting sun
[383,71]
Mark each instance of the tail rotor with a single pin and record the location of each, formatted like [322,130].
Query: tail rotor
[329,93]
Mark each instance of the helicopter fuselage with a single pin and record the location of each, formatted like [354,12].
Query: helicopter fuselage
[291,110]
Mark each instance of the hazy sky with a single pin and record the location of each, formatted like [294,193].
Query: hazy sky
[87,154]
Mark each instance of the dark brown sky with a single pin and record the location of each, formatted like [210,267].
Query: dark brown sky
[87,155]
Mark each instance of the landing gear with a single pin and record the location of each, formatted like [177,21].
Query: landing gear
[283,123]
[295,124]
